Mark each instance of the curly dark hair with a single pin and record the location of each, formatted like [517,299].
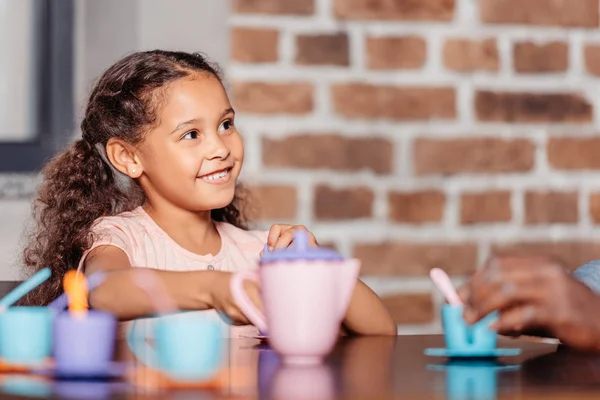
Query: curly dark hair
[79,185]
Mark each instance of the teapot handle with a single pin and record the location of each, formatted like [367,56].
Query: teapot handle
[241,298]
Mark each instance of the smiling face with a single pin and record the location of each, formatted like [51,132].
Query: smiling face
[194,156]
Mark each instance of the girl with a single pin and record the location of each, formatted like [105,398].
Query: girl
[152,183]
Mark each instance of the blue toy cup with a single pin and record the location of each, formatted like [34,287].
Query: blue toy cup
[461,336]
[26,335]
[187,346]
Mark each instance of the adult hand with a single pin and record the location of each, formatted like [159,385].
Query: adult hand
[534,293]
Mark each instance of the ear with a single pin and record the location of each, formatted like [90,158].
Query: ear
[124,158]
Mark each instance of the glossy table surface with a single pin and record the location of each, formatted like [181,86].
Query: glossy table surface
[375,367]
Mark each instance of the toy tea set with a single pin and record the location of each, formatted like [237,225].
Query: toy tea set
[47,341]
[471,370]
[464,340]
[304,290]
[305,293]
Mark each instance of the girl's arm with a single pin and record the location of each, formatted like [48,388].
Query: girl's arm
[366,314]
[193,290]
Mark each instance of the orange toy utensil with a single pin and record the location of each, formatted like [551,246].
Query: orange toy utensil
[75,286]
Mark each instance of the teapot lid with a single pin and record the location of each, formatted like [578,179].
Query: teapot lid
[300,249]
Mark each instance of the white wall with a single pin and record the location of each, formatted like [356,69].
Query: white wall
[105,31]
[18,73]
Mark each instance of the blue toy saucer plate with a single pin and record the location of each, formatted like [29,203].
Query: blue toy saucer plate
[491,353]
[111,371]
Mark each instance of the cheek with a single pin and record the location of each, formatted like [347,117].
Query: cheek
[236,145]
[169,164]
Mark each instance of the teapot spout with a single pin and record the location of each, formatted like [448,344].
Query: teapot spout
[347,277]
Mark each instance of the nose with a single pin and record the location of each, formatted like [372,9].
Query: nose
[217,149]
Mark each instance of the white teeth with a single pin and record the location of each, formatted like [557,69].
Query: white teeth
[217,175]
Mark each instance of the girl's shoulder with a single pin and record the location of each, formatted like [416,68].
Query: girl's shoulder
[126,221]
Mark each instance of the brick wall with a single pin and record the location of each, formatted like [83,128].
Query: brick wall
[423,133]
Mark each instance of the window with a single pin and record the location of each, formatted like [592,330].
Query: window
[36,81]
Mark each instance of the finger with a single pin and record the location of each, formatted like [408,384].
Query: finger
[519,319]
[497,282]
[509,274]
[498,272]
[464,293]
[501,296]
[312,240]
[287,237]
[511,334]
[236,316]
[274,234]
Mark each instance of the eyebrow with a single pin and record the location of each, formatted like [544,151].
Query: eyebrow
[199,120]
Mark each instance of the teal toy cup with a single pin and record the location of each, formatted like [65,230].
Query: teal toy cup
[186,346]
[26,335]
[461,336]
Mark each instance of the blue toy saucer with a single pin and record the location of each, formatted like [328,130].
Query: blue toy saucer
[111,371]
[491,353]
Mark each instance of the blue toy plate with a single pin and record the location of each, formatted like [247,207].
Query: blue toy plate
[111,371]
[492,353]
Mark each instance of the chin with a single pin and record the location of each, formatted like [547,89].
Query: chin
[215,203]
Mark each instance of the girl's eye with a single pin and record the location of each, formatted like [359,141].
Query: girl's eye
[191,135]
[226,125]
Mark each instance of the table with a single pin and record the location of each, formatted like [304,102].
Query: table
[370,367]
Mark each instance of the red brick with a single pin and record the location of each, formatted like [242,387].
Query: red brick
[485,207]
[417,207]
[410,308]
[273,98]
[567,13]
[342,204]
[551,207]
[297,7]
[405,52]
[574,153]
[416,259]
[323,49]
[532,107]
[595,207]
[329,151]
[530,57]
[274,202]
[401,10]
[466,55]
[254,45]
[572,253]
[359,100]
[482,155]
[592,59]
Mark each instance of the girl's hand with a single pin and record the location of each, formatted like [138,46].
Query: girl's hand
[281,236]
[222,300]
[534,293]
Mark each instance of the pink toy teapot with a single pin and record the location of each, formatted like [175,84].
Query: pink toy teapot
[305,294]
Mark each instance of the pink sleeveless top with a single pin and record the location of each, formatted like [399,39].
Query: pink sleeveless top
[147,245]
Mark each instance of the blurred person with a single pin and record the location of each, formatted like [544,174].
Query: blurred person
[536,296]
